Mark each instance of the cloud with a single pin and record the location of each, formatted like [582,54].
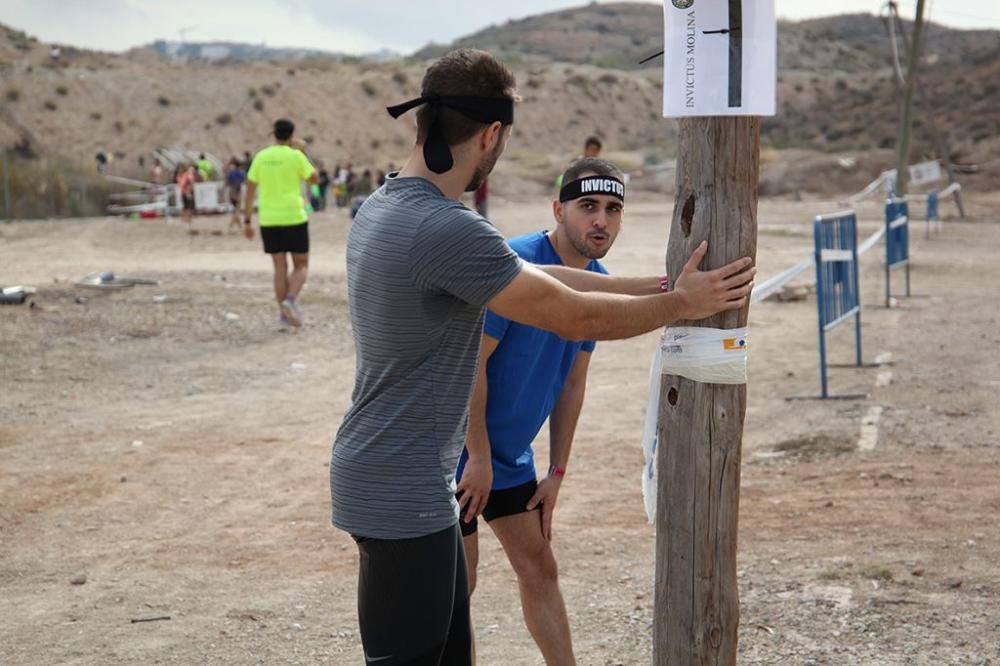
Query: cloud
[350,26]
[116,25]
[406,26]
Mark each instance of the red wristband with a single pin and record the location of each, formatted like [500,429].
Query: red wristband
[664,282]
[555,470]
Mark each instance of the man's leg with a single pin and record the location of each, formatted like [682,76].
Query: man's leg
[530,555]
[413,601]
[289,305]
[280,276]
[470,541]
[300,269]
[458,648]
[234,221]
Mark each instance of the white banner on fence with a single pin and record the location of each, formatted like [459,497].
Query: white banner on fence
[925,172]
[719,58]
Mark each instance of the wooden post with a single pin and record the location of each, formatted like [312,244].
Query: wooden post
[701,425]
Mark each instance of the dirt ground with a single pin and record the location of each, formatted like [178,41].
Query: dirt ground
[167,448]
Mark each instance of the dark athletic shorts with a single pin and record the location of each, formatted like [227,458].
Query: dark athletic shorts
[286,239]
[505,502]
[187,201]
[413,600]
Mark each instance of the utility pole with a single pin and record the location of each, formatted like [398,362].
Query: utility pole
[927,98]
[700,432]
[906,115]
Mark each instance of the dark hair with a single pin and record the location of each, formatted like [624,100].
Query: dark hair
[594,165]
[593,141]
[283,129]
[467,72]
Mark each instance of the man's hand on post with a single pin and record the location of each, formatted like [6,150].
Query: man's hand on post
[708,292]
[474,488]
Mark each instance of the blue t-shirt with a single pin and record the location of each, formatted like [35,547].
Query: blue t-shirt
[236,177]
[525,375]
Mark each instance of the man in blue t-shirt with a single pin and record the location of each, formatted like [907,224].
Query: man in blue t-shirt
[532,375]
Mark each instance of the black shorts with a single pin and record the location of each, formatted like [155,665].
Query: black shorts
[413,600]
[187,201]
[505,502]
[286,239]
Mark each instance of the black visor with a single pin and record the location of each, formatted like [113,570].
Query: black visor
[582,187]
[482,109]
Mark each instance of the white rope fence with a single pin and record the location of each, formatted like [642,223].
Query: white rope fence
[776,283]
[871,187]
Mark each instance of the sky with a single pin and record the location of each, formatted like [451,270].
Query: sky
[356,26]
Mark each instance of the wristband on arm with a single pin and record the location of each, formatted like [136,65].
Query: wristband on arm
[664,282]
[555,470]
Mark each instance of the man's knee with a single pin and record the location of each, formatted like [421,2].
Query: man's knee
[536,566]
[300,261]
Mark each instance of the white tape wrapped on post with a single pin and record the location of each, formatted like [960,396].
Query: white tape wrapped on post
[707,355]
[650,433]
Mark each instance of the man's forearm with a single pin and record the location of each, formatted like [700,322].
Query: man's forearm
[562,424]
[477,441]
[582,280]
[601,316]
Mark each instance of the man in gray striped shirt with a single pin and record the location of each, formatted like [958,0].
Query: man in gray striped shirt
[420,269]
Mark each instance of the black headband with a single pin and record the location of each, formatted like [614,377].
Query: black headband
[481,109]
[592,185]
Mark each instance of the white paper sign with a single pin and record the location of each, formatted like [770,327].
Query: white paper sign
[720,58]
[925,172]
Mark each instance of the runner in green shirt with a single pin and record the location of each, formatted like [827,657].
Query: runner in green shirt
[205,168]
[277,173]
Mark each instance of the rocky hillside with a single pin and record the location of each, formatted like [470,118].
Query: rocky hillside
[836,98]
[619,35]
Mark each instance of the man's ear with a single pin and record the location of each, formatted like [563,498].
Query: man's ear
[491,136]
[557,210]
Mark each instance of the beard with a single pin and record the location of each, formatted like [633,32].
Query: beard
[579,242]
[484,168]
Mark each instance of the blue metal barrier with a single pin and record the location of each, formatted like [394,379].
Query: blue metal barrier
[897,243]
[932,208]
[932,215]
[838,296]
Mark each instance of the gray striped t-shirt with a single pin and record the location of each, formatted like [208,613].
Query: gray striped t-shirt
[420,268]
